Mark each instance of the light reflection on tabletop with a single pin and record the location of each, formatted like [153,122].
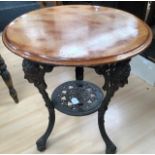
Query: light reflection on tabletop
[76,32]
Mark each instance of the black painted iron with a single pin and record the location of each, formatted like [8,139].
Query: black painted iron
[79,71]
[77,98]
[116,75]
[7,79]
[34,73]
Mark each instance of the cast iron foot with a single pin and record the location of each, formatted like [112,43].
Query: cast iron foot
[41,144]
[111,149]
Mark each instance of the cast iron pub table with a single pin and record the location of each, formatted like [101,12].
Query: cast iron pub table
[101,38]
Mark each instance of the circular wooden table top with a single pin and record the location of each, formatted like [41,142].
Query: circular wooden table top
[77,35]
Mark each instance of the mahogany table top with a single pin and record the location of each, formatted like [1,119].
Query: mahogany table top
[77,35]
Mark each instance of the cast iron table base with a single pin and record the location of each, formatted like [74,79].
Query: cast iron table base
[115,75]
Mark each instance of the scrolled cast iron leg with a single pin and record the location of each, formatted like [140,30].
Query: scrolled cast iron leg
[34,73]
[79,73]
[116,75]
[110,146]
[41,142]
[8,80]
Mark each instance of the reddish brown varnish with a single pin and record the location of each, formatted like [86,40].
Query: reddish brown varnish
[77,35]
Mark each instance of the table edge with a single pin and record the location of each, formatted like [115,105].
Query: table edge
[82,62]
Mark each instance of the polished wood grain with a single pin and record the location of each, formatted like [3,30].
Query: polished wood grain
[129,120]
[77,35]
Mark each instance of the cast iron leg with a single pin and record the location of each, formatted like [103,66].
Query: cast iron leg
[116,75]
[110,146]
[79,73]
[41,142]
[34,73]
[7,79]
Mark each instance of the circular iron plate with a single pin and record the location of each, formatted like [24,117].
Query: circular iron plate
[77,98]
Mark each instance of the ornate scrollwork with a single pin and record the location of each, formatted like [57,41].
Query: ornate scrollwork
[35,73]
[116,75]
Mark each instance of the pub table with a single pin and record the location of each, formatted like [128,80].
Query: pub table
[101,38]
